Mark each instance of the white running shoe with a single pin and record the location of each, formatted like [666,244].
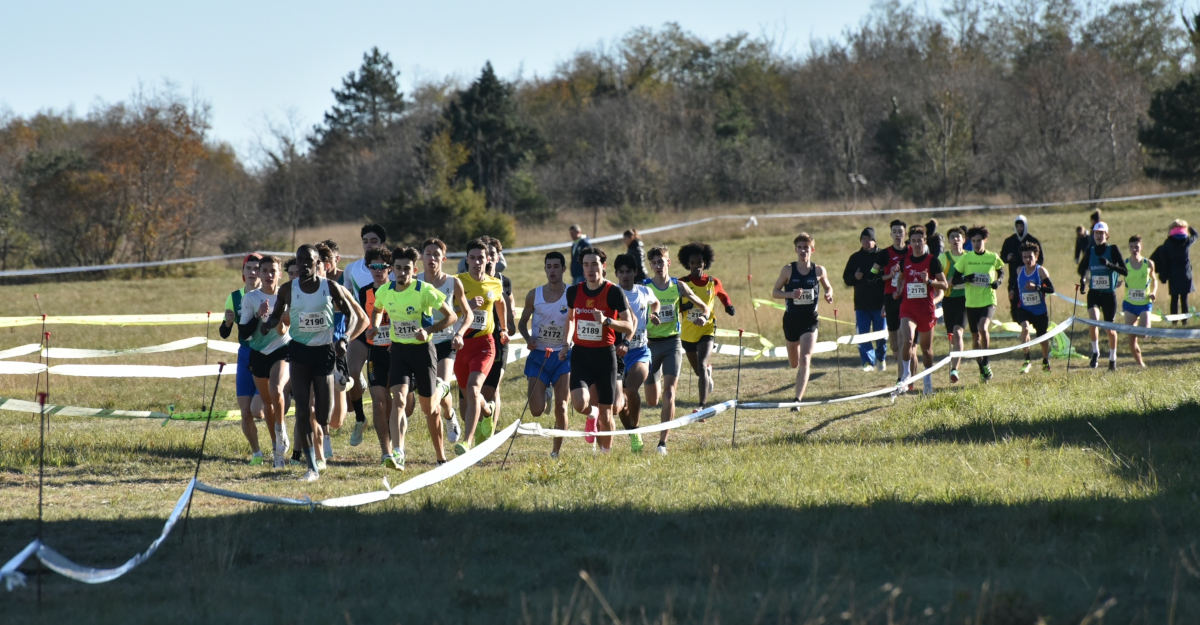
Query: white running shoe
[662,449]
[356,434]
[282,437]
[882,366]
[453,432]
[443,389]
[867,367]
[310,476]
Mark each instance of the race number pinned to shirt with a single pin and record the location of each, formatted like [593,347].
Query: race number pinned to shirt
[638,340]
[1102,282]
[666,314]
[1031,298]
[404,329]
[479,318]
[981,279]
[918,290]
[1137,295]
[805,297]
[590,330]
[313,321]
[550,335]
[696,316]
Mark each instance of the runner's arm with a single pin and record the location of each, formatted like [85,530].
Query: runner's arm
[723,296]
[777,290]
[526,315]
[501,309]
[685,292]
[1046,286]
[282,298]
[823,277]
[346,303]
[449,317]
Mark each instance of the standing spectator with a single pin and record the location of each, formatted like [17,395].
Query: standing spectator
[1173,264]
[634,247]
[1083,238]
[868,298]
[1010,253]
[579,243]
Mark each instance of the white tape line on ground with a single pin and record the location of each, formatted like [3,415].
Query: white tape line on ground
[232,494]
[60,564]
[136,371]
[459,464]
[1166,333]
[533,429]
[9,574]
[20,405]
[66,353]
[1051,333]
[20,350]
[113,320]
[1153,316]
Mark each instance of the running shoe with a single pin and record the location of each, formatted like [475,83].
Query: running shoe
[589,425]
[554,455]
[1026,367]
[256,459]
[451,426]
[282,437]
[461,448]
[385,460]
[443,389]
[882,366]
[356,434]
[310,476]
[635,443]
[868,367]
[321,465]
[662,449]
[985,373]
[278,462]
[398,460]
[794,408]
[954,376]
[1095,360]
[1112,365]
[484,430]
[1046,367]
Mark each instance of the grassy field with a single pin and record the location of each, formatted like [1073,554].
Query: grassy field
[1067,496]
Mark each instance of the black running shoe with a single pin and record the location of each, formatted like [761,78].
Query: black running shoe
[1095,361]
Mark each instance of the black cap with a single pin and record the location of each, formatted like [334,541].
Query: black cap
[867,232]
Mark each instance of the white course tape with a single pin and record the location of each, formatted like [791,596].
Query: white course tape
[112,320]
[20,405]
[534,429]
[459,464]
[133,371]
[66,353]
[1166,333]
[232,494]
[1153,315]
[20,350]
[9,574]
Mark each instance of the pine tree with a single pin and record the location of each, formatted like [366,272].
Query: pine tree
[368,102]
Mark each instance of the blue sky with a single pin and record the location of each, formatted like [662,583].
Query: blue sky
[264,63]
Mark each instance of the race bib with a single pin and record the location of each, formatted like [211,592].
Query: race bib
[1102,282]
[666,314]
[981,279]
[896,280]
[639,339]
[806,298]
[479,319]
[550,335]
[382,339]
[1031,298]
[313,321]
[1137,295]
[404,329]
[696,316]
[918,290]
[589,330]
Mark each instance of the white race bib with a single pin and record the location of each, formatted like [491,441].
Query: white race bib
[1102,282]
[666,314]
[382,338]
[1031,298]
[313,321]
[1137,295]
[638,340]
[806,297]
[550,335]
[404,329]
[896,280]
[918,290]
[696,316]
[589,330]
[479,319]
[981,279]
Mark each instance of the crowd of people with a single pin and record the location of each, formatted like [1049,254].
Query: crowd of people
[396,325]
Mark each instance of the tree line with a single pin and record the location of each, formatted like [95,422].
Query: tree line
[1034,99]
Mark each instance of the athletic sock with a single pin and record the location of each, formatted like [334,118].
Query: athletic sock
[905,370]
[1112,354]
[1095,347]
[359,415]
[1045,361]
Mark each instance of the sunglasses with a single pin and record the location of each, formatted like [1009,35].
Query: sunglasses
[378,266]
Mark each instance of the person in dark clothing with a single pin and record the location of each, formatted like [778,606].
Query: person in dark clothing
[868,298]
[1083,237]
[1010,253]
[579,242]
[636,250]
[1098,271]
[1173,263]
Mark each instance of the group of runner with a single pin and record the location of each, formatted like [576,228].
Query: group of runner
[605,349]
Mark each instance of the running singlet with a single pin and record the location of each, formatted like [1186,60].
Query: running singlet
[668,309]
[409,309]
[947,259]
[1103,279]
[916,298]
[447,289]
[233,303]
[591,309]
[892,258]
[549,323]
[356,276]
[1137,284]
[479,321]
[809,287]
[979,291]
[311,314]
[1032,300]
[639,299]
[366,299]
[276,337]
[708,292]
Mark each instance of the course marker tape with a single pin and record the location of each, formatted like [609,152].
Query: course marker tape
[534,429]
[66,353]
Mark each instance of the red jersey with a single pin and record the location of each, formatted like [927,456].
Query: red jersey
[590,311]
[891,260]
[916,298]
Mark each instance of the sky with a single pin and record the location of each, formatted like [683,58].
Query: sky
[272,65]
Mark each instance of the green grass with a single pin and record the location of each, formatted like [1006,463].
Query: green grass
[1046,495]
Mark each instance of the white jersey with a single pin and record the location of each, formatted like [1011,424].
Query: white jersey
[447,289]
[356,276]
[640,298]
[549,323]
[311,314]
[276,338]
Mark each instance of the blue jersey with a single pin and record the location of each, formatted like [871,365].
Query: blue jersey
[1031,298]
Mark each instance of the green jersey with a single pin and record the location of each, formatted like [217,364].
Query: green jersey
[980,272]
[1137,284]
[409,309]
[947,259]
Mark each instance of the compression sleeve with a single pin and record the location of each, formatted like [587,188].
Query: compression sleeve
[720,292]
[1047,286]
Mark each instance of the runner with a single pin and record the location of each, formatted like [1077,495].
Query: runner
[309,302]
[1140,291]
[549,379]
[697,336]
[636,351]
[921,278]
[887,263]
[579,242]
[434,257]
[409,305]
[1173,261]
[666,355]
[268,355]
[1096,271]
[797,284]
[1033,283]
[982,272]
[249,403]
[597,311]
[356,276]
[491,384]
[954,303]
[868,300]
[1083,237]
[327,251]
[1010,253]
[379,262]
[474,342]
